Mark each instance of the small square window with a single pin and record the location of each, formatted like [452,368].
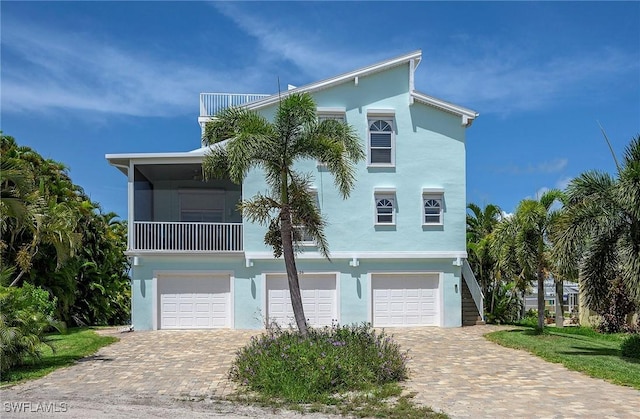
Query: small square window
[385,209]
[432,206]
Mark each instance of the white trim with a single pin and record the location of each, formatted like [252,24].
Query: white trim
[384,189]
[390,113]
[342,78]
[190,253]
[331,110]
[426,191]
[349,255]
[389,196]
[437,196]
[190,274]
[131,193]
[390,120]
[440,291]
[467,115]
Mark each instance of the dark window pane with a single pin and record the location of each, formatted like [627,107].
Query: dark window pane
[380,140]
[380,156]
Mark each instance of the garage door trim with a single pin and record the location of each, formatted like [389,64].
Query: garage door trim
[370,276]
[189,274]
[265,287]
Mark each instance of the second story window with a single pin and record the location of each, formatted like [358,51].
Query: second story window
[385,209]
[381,141]
[432,209]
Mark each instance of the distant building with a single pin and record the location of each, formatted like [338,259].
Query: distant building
[569,297]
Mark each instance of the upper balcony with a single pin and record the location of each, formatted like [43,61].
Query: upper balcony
[174,210]
[212,103]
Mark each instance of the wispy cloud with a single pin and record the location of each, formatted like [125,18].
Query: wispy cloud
[551,166]
[53,70]
[497,79]
[281,41]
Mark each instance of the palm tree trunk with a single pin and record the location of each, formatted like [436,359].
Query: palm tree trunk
[292,271]
[559,310]
[540,299]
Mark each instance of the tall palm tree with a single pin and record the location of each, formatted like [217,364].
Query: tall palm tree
[480,225]
[597,240]
[294,135]
[522,245]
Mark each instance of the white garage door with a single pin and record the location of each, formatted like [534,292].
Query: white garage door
[194,302]
[405,300]
[318,299]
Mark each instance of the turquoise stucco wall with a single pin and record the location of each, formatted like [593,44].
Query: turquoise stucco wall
[249,293]
[430,152]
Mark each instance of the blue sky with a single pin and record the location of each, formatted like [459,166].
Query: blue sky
[83,79]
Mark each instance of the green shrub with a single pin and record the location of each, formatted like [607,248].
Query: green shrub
[25,316]
[284,364]
[630,347]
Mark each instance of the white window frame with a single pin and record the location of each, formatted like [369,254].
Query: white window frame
[390,196]
[432,194]
[387,116]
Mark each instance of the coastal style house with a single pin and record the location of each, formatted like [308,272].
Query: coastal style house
[398,253]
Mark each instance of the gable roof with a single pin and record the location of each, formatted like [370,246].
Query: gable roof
[412,58]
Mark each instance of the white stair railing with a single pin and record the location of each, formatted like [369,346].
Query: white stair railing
[474,287]
[187,237]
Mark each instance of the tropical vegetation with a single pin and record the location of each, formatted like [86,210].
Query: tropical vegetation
[242,139]
[589,233]
[597,238]
[62,260]
[62,349]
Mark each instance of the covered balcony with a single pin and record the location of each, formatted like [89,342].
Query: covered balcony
[175,210]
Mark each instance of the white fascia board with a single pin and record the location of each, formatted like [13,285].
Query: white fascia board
[323,84]
[381,112]
[367,255]
[384,189]
[332,110]
[467,114]
[432,190]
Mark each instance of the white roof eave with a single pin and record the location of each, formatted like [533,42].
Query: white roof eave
[323,84]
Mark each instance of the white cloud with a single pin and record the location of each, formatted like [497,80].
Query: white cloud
[499,79]
[279,40]
[562,183]
[53,70]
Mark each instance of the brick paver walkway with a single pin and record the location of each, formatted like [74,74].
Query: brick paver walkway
[453,370]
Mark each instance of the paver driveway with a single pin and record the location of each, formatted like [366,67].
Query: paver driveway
[453,370]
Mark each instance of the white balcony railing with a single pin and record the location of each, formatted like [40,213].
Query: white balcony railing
[187,237]
[212,103]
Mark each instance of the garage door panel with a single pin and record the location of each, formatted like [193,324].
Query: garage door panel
[318,294]
[199,302]
[405,299]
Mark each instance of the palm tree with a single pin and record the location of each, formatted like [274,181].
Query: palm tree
[522,245]
[294,135]
[480,225]
[597,240]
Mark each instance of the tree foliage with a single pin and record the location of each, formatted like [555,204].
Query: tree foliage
[598,234]
[53,236]
[242,140]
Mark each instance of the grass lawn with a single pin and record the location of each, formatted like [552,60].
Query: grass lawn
[75,344]
[577,348]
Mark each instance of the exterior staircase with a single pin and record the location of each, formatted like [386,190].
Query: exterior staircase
[472,298]
[470,314]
